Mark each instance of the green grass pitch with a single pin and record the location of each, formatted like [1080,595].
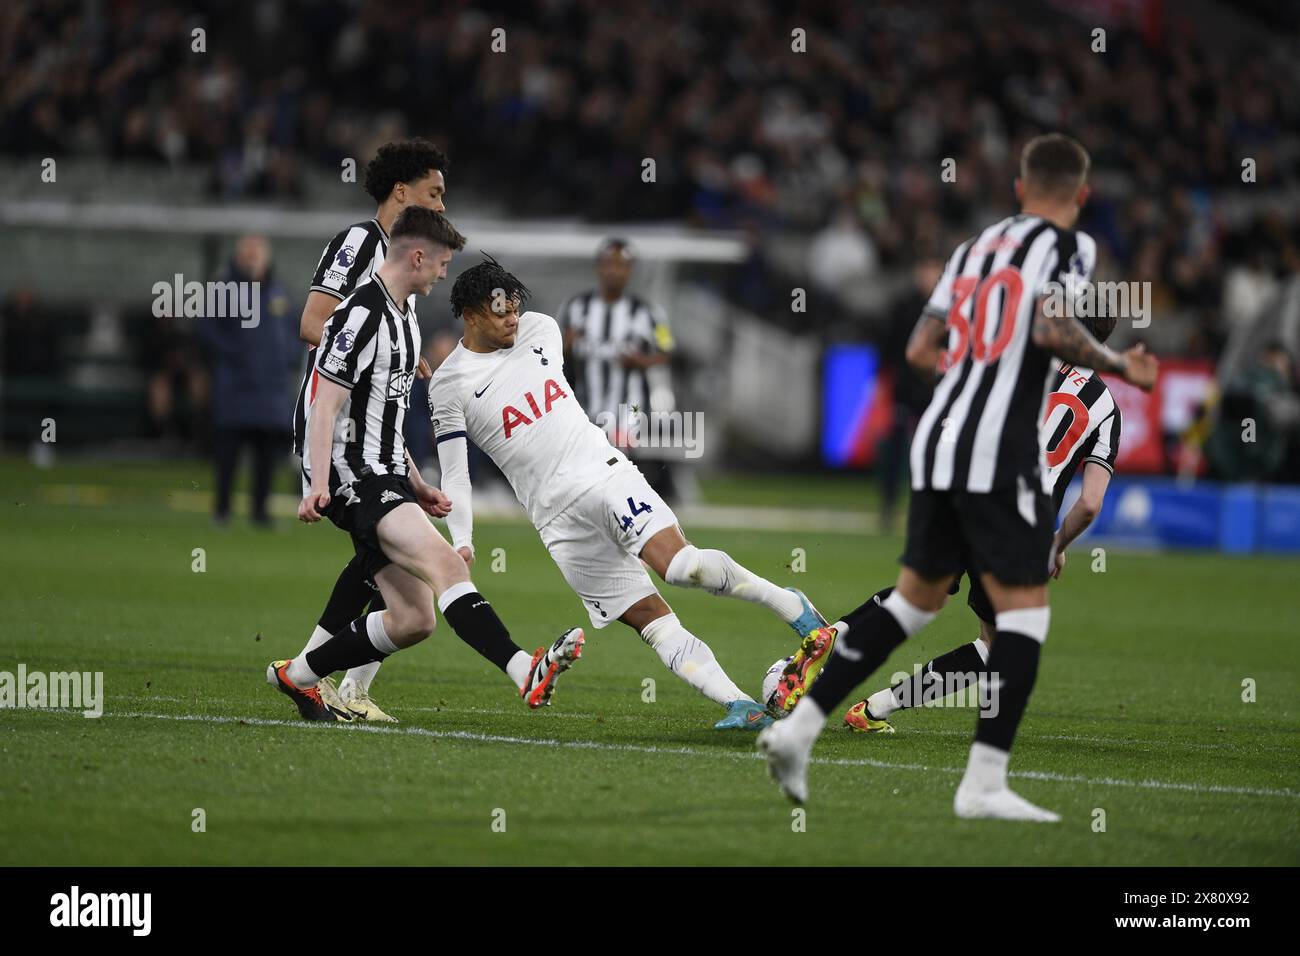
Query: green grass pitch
[1138,711]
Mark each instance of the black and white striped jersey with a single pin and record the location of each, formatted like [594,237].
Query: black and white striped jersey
[371,347]
[980,430]
[1082,423]
[349,259]
[605,332]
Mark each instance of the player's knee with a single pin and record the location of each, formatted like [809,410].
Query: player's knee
[684,569]
[694,567]
[426,622]
[910,618]
[412,625]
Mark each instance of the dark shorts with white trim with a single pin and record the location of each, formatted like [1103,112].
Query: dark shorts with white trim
[1005,532]
[358,508]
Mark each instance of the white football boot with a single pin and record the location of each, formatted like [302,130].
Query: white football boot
[329,694]
[787,760]
[547,666]
[972,803]
[357,700]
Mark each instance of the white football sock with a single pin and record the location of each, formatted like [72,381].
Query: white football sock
[805,721]
[379,639]
[883,703]
[358,678]
[909,617]
[517,667]
[300,675]
[453,594]
[691,659]
[362,676]
[987,767]
[718,573]
[1030,621]
[318,637]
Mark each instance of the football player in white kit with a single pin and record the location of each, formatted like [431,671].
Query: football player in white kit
[504,389]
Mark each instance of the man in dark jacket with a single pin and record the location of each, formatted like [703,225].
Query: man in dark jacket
[251,357]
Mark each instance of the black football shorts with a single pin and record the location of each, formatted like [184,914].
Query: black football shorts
[358,509]
[1006,532]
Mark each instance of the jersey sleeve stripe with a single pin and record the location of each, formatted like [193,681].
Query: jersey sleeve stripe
[328,291]
[449,436]
[334,378]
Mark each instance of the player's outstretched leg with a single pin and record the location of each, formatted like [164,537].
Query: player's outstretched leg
[693,661]
[948,673]
[683,564]
[865,638]
[1013,664]
[411,542]
[424,564]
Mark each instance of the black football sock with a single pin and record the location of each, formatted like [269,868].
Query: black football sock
[1013,668]
[350,647]
[472,618]
[872,636]
[869,607]
[349,598]
[946,674]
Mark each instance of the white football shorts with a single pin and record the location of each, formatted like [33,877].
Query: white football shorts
[597,540]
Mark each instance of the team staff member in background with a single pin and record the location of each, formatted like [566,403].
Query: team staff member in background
[250,379]
[619,346]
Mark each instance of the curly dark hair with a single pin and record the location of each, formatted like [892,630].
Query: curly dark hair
[479,285]
[402,162]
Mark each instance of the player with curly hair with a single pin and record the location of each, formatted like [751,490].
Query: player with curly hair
[406,173]
[504,389]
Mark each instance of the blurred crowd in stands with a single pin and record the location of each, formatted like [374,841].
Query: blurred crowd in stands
[816,129]
[840,144]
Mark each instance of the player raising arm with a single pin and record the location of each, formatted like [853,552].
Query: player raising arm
[979,494]
[504,389]
[361,478]
[1080,430]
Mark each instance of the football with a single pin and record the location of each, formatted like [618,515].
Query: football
[769,686]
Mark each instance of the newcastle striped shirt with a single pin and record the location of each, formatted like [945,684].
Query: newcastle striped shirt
[605,332]
[1081,424]
[980,430]
[371,347]
[349,259]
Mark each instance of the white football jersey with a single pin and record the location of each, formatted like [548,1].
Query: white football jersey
[516,405]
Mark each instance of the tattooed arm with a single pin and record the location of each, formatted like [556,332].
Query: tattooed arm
[1067,339]
[925,346]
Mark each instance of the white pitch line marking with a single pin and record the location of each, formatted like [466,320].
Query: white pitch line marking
[693,752]
[572,715]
